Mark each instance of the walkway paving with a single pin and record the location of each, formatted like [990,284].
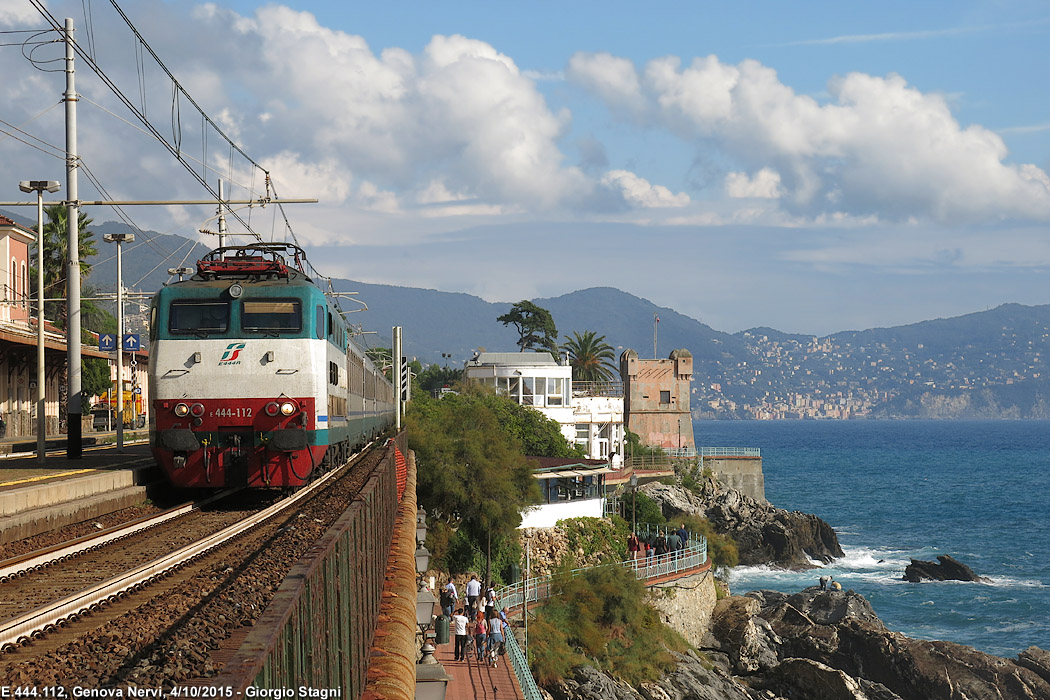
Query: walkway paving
[472,681]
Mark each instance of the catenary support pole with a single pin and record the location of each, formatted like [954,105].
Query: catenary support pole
[74,448]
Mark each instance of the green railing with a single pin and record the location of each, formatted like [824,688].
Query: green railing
[526,682]
[539,588]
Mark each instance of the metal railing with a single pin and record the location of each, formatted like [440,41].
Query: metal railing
[539,588]
[613,389]
[713,452]
[526,682]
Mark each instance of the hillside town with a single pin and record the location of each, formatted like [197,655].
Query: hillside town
[854,375]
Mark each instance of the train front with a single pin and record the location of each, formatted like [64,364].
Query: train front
[234,380]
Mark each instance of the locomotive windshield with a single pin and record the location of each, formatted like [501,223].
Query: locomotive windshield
[272,315]
[199,316]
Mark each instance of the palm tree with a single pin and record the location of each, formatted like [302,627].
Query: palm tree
[56,250]
[590,356]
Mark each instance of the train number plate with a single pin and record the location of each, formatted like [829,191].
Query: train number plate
[232,413]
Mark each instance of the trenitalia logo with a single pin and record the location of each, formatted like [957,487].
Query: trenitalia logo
[230,356]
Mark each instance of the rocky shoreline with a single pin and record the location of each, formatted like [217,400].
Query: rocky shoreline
[811,645]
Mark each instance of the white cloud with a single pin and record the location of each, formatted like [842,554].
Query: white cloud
[639,192]
[611,77]
[879,147]
[764,185]
[19,15]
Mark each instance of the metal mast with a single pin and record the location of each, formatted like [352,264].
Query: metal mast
[73,405]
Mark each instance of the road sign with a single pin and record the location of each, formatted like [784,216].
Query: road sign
[131,342]
[107,342]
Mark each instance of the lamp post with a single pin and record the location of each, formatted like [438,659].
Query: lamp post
[634,499]
[120,239]
[40,186]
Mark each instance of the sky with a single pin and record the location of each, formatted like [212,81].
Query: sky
[812,167]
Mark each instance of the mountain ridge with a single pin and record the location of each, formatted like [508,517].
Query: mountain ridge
[981,364]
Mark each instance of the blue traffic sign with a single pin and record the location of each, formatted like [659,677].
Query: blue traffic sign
[107,342]
[131,342]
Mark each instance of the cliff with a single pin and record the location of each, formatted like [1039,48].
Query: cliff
[764,534]
[822,645]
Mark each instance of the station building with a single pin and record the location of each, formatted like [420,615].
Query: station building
[18,341]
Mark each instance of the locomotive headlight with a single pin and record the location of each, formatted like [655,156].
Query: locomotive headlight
[182,410]
[197,410]
[272,409]
[288,408]
[236,290]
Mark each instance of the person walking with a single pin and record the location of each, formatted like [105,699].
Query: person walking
[473,592]
[673,543]
[481,628]
[490,603]
[632,547]
[495,635]
[459,626]
[449,598]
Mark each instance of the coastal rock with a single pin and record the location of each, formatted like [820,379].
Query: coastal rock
[948,569]
[748,640]
[816,681]
[702,677]
[764,533]
[1036,659]
[588,683]
[839,629]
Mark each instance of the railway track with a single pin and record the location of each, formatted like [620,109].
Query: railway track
[122,620]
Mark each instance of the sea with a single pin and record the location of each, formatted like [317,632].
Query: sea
[901,490]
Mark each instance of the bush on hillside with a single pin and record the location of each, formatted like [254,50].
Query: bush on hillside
[602,617]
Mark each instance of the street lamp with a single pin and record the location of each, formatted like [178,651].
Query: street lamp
[120,239]
[40,186]
[634,499]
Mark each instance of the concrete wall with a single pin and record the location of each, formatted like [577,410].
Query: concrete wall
[549,514]
[741,473]
[687,604]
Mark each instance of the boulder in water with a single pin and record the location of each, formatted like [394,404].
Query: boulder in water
[948,569]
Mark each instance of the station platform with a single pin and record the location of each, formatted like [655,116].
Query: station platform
[36,497]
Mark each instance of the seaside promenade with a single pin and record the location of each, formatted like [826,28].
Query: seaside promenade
[511,679]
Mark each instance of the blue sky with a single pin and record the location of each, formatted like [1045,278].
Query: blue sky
[812,167]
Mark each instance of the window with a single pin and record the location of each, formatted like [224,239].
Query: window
[583,431]
[665,397]
[25,287]
[555,391]
[201,317]
[272,315]
[333,373]
[528,390]
[319,330]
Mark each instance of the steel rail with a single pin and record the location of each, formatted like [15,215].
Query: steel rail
[36,622]
[37,559]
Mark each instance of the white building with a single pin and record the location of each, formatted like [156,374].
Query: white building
[589,414]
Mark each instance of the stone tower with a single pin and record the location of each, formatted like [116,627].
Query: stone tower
[656,398]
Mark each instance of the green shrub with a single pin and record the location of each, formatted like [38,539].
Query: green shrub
[721,549]
[646,510]
[603,617]
[606,538]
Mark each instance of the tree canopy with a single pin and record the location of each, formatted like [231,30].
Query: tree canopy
[535,327]
[56,250]
[590,356]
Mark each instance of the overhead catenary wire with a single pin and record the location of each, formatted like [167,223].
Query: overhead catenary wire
[178,93]
[127,102]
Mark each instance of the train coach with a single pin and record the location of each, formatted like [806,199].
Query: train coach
[254,378]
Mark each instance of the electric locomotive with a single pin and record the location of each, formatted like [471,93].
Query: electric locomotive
[253,375]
